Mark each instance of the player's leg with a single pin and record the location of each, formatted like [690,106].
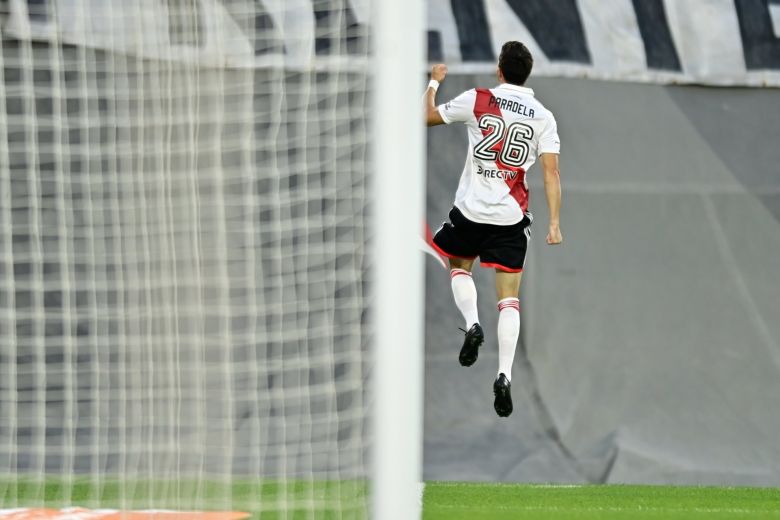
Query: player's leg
[465,294]
[463,289]
[507,293]
[505,251]
[455,240]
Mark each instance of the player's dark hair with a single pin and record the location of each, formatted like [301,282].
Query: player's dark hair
[515,62]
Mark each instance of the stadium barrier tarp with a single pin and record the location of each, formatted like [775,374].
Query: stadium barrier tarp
[716,42]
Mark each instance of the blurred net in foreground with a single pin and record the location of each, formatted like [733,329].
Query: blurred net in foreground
[183,220]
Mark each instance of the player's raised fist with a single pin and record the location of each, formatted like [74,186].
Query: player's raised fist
[439,72]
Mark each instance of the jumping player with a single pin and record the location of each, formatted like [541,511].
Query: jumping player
[508,128]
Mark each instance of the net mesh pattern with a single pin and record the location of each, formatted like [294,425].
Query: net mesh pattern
[183,231]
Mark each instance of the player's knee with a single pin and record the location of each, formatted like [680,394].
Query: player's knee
[507,284]
[461,263]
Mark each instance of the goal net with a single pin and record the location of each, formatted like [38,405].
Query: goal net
[184,255]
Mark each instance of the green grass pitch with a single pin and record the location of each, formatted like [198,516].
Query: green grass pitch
[471,501]
[344,500]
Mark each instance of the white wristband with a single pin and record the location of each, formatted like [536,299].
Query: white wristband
[433,84]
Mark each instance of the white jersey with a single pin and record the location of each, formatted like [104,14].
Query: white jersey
[508,128]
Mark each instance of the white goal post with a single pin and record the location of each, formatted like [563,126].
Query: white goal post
[400,190]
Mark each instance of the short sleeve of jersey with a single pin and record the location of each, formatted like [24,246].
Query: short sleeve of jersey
[460,109]
[549,142]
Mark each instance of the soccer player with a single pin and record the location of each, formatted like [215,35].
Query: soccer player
[507,128]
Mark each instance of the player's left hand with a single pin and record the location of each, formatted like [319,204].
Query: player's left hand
[554,235]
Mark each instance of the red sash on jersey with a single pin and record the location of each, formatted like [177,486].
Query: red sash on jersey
[517,187]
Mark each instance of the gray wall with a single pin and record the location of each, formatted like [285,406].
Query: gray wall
[650,348]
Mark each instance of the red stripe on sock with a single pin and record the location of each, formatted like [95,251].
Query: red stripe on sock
[458,272]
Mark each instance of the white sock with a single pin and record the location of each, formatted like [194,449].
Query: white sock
[465,293]
[508,332]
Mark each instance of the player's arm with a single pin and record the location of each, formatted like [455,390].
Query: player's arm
[432,115]
[552,188]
